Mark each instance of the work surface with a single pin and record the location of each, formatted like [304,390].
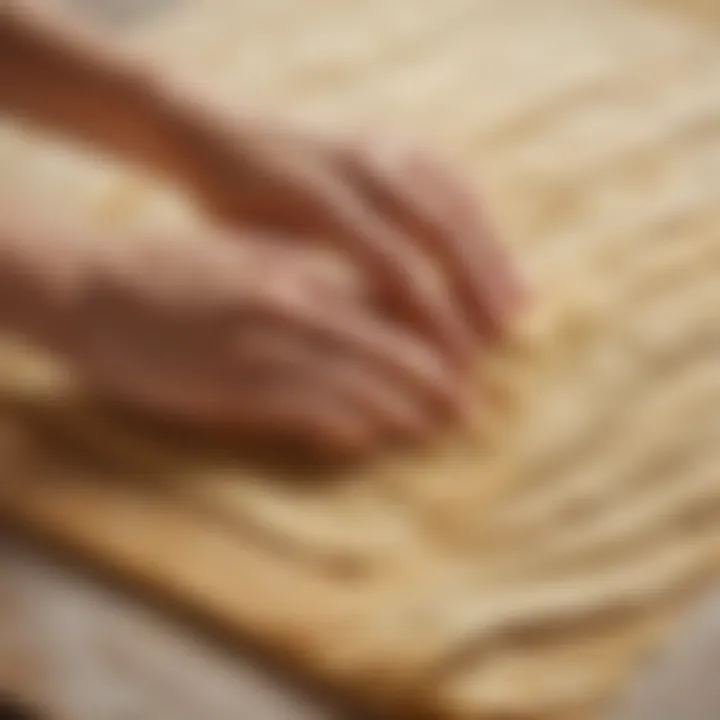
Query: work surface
[83,651]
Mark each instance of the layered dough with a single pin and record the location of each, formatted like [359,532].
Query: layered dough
[523,568]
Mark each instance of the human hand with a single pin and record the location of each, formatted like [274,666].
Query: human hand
[256,334]
[409,222]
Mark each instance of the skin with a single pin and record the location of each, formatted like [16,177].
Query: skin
[342,302]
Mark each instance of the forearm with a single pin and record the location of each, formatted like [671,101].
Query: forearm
[53,75]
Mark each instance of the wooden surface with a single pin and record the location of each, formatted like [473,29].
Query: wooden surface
[79,650]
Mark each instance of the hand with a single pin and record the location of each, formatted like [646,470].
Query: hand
[257,334]
[412,225]
[409,222]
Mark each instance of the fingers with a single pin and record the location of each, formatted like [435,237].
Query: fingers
[310,196]
[329,412]
[274,406]
[430,204]
[396,413]
[389,350]
[285,411]
[408,282]
[499,287]
[281,382]
[315,419]
[407,222]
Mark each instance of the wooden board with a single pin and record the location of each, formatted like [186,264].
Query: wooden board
[521,570]
[75,649]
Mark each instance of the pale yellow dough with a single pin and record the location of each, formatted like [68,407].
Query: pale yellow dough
[521,570]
